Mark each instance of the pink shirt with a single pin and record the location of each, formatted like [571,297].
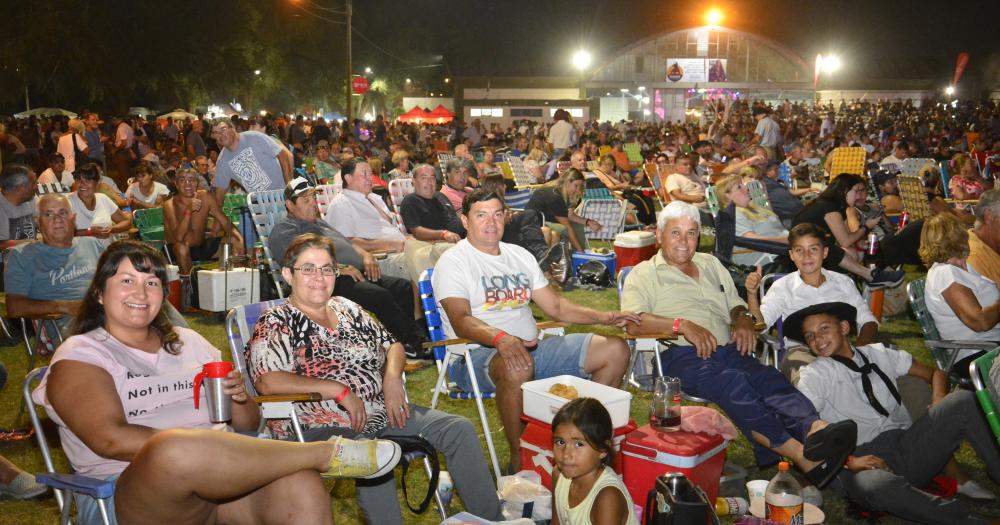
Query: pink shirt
[454,196]
[156,390]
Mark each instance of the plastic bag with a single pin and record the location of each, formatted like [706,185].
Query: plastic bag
[523,496]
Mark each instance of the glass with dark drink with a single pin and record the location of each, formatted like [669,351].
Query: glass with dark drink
[665,410]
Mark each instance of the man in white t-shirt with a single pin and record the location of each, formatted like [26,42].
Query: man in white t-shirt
[685,185]
[900,153]
[894,456]
[485,287]
[56,173]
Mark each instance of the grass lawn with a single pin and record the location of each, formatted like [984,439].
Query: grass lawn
[902,332]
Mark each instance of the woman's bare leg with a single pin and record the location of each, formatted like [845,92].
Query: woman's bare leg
[180,475]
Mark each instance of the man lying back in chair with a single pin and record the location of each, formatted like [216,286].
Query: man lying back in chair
[693,295]
[485,287]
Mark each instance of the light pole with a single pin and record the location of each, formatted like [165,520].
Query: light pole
[581,61]
[347,88]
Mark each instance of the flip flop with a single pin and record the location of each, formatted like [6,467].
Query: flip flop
[823,474]
[831,441]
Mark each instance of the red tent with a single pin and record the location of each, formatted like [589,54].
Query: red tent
[417,114]
[440,114]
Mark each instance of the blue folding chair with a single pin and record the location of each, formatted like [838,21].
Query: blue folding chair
[64,485]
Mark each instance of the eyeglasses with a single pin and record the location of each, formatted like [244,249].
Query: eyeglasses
[61,214]
[220,130]
[310,270]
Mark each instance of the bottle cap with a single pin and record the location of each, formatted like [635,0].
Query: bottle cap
[783,466]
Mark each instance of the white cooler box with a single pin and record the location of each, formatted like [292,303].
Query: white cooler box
[541,405]
[215,295]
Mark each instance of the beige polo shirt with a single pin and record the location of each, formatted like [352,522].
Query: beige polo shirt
[661,289]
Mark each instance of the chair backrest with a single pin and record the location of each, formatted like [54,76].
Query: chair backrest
[633,151]
[597,193]
[712,200]
[915,292]
[240,322]
[324,194]
[432,315]
[610,213]
[517,199]
[725,232]
[945,178]
[758,194]
[522,179]
[848,160]
[149,222]
[398,190]
[979,371]
[51,187]
[266,209]
[911,191]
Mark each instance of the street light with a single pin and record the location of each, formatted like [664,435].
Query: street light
[713,17]
[447,80]
[581,60]
[256,72]
[950,90]
[408,81]
[368,71]
[831,63]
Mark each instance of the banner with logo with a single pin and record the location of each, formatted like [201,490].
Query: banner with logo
[697,70]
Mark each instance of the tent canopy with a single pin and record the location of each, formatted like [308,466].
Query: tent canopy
[43,112]
[178,114]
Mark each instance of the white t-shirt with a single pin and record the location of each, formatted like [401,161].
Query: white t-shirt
[498,287]
[560,135]
[48,177]
[769,132]
[158,189]
[688,185]
[837,393]
[357,215]
[65,148]
[949,326]
[790,294]
[101,215]
[156,390]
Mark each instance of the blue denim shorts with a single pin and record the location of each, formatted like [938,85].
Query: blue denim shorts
[554,356]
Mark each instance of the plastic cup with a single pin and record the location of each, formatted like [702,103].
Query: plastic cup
[756,488]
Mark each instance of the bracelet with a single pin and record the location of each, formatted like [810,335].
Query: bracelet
[847,464]
[677,325]
[343,393]
[496,338]
[444,233]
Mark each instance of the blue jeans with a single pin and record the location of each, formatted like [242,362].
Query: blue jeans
[555,356]
[87,511]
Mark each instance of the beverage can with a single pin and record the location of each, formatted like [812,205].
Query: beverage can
[872,243]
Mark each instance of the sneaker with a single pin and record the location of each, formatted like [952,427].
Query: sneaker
[365,459]
[973,490]
[23,486]
[418,352]
[882,278]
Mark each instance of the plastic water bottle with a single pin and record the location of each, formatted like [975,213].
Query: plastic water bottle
[445,487]
[783,498]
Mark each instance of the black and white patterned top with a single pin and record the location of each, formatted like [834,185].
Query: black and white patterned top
[286,340]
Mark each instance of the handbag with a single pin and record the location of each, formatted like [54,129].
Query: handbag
[417,448]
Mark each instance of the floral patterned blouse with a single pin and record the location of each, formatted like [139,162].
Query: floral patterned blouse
[286,340]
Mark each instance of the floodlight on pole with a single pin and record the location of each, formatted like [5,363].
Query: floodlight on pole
[831,63]
[713,17]
[950,90]
[581,60]
[368,70]
[256,72]
[623,90]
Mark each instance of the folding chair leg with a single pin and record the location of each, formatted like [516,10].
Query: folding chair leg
[482,418]
[6,331]
[67,503]
[437,495]
[104,511]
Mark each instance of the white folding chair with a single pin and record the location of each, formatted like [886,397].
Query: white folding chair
[63,485]
[324,194]
[398,190]
[522,179]
[609,213]
[266,209]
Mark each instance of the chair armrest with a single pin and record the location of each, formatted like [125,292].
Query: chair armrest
[281,398]
[93,487]
[962,345]
[657,336]
[545,325]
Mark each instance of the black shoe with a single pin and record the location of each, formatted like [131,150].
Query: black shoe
[831,441]
[417,351]
[882,278]
[822,474]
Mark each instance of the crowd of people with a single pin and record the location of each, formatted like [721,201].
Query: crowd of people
[365,253]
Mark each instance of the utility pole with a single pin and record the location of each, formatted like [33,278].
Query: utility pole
[347,89]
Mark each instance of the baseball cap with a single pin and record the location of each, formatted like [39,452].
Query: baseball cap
[297,187]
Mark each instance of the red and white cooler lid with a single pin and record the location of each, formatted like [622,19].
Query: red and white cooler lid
[679,449]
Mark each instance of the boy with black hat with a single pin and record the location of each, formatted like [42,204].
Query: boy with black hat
[893,456]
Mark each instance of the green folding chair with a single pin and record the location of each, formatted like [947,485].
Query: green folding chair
[979,371]
[149,222]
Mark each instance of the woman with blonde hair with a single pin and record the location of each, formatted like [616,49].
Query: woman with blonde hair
[401,165]
[752,221]
[73,142]
[556,202]
[964,304]
[966,183]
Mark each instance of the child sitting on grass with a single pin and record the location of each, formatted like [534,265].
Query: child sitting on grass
[587,491]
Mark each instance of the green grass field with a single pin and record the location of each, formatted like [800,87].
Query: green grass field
[900,331]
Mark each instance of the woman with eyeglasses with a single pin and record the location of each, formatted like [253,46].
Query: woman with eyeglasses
[317,342]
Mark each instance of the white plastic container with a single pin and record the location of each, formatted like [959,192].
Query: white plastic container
[215,295]
[541,405]
[173,273]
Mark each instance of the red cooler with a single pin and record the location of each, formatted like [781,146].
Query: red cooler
[647,453]
[536,447]
[631,248]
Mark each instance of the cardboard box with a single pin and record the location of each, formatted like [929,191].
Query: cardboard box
[539,404]
[219,291]
[647,454]
[536,447]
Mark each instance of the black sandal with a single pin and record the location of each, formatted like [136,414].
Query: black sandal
[823,474]
[831,441]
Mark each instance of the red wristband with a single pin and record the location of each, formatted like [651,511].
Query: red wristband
[847,464]
[444,233]
[496,338]
[343,393]
[677,325]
